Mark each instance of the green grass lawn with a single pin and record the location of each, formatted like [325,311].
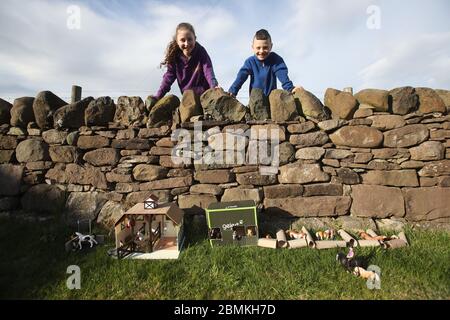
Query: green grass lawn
[33,265]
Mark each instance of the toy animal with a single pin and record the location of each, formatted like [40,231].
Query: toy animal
[325,235]
[347,261]
[320,235]
[85,238]
[329,234]
[363,273]
[294,234]
[365,236]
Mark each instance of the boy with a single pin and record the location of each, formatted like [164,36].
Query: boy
[264,67]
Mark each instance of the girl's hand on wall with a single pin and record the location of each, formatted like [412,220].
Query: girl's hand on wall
[150,102]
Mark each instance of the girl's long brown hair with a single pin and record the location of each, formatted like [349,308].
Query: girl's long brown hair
[173,49]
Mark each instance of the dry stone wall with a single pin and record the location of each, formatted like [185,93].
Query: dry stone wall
[376,154]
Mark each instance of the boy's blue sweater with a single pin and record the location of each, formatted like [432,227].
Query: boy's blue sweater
[263,74]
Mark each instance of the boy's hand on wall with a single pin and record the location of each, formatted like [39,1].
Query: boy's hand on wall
[297,89]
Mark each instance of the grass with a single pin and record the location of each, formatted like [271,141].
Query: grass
[33,265]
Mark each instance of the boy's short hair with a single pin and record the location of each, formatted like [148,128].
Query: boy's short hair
[263,34]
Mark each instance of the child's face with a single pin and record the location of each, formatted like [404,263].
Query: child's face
[261,48]
[186,41]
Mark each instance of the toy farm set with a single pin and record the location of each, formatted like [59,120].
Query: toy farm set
[153,230]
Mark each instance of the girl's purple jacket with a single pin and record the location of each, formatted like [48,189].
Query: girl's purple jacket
[196,73]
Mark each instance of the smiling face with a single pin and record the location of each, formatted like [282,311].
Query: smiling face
[261,48]
[186,41]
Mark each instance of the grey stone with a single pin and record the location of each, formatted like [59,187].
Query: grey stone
[374,97]
[435,169]
[342,104]
[310,153]
[427,203]
[190,105]
[259,105]
[84,205]
[44,107]
[310,105]
[22,112]
[357,136]
[5,111]
[282,106]
[44,198]
[163,111]
[11,178]
[355,224]
[130,111]
[100,112]
[102,157]
[109,214]
[427,151]
[404,100]
[430,101]
[64,154]
[330,125]
[407,136]
[377,201]
[240,194]
[300,172]
[31,150]
[146,172]
[320,206]
[317,138]
[72,115]
[387,122]
[221,106]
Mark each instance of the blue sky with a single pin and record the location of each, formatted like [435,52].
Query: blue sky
[325,43]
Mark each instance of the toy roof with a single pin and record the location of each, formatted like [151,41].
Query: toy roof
[231,204]
[169,209]
[152,197]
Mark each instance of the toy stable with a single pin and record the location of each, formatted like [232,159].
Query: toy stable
[150,233]
[232,223]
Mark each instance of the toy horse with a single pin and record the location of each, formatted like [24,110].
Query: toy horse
[293,234]
[85,238]
[347,261]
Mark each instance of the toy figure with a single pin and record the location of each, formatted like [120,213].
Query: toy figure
[325,235]
[85,238]
[347,261]
[294,234]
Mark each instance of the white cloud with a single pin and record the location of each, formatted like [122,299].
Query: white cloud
[107,56]
[423,60]
[119,47]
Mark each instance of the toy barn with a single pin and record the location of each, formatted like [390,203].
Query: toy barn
[233,222]
[156,233]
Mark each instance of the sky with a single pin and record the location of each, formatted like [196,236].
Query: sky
[114,47]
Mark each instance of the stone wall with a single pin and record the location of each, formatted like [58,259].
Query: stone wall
[375,154]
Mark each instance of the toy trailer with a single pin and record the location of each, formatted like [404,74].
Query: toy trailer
[231,223]
[150,233]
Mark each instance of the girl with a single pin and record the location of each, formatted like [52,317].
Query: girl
[188,62]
